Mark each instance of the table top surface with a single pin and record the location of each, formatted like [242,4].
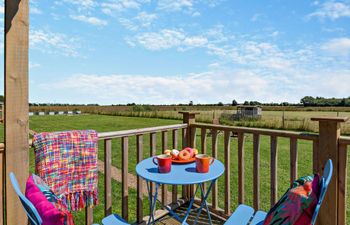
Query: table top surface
[180,174]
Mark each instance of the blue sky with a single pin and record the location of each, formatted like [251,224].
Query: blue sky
[174,51]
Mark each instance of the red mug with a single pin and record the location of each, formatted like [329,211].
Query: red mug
[163,162]
[203,162]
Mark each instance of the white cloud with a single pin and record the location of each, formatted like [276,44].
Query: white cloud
[141,20]
[33,65]
[128,24]
[175,5]
[146,19]
[2,6]
[261,54]
[90,20]
[332,10]
[53,43]
[168,38]
[164,39]
[195,41]
[207,87]
[82,4]
[338,46]
[115,6]
[196,14]
[35,10]
[255,17]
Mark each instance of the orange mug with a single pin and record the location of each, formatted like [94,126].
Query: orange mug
[203,162]
[163,162]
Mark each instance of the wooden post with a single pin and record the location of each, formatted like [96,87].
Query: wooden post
[190,118]
[16,104]
[329,129]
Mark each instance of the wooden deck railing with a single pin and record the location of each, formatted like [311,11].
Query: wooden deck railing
[140,134]
[240,132]
[327,144]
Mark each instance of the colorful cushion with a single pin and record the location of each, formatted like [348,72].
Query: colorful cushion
[297,205]
[49,207]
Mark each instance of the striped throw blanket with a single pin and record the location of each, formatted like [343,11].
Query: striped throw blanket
[67,162]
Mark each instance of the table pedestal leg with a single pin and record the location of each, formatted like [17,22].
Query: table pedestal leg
[152,202]
[204,201]
[190,206]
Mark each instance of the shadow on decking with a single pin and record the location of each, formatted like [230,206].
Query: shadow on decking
[203,218]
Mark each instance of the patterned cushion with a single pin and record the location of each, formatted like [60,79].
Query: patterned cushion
[297,205]
[49,207]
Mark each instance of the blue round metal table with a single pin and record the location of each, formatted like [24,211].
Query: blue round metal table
[180,174]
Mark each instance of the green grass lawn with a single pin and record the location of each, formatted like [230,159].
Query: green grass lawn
[114,123]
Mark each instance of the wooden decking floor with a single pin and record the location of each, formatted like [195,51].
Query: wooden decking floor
[203,218]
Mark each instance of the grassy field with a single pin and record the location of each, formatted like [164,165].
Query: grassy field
[103,123]
[275,117]
[293,120]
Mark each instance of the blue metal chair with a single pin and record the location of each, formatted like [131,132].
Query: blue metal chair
[114,219]
[243,214]
[32,213]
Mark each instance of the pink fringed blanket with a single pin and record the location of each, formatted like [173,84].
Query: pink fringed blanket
[67,162]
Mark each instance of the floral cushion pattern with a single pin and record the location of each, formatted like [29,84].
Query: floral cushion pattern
[297,205]
[49,207]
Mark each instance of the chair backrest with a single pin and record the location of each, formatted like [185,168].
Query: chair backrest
[326,178]
[32,213]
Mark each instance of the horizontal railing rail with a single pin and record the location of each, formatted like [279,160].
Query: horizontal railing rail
[124,133]
[344,140]
[260,131]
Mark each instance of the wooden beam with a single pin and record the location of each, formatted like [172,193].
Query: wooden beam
[273,170]
[108,176]
[329,129]
[256,171]
[139,157]
[125,178]
[241,168]
[16,104]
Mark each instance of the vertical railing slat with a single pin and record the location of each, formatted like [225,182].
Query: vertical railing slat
[256,171]
[342,176]
[108,176]
[204,148]
[293,159]
[89,217]
[214,144]
[164,187]
[125,195]
[184,144]
[315,146]
[273,175]
[139,157]
[204,141]
[240,168]
[174,187]
[227,141]
[192,144]
[153,148]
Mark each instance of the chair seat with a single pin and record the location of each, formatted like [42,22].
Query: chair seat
[114,219]
[243,214]
[258,218]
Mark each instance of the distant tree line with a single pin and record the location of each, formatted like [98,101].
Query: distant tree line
[320,101]
[306,101]
[60,104]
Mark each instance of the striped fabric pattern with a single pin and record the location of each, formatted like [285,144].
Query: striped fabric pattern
[67,162]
